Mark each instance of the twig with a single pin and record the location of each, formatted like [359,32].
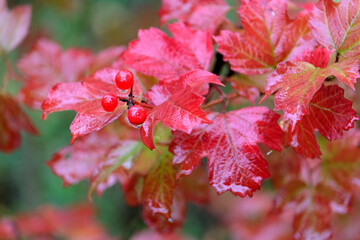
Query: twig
[220,100]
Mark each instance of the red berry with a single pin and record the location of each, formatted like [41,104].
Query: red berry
[109,102]
[137,114]
[124,79]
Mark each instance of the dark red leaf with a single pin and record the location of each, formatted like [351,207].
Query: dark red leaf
[164,224]
[235,162]
[14,25]
[253,51]
[296,83]
[159,186]
[336,25]
[199,14]
[197,79]
[85,98]
[12,122]
[180,112]
[157,55]
[329,114]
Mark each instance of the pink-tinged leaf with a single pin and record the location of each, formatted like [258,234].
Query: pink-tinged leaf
[314,198]
[254,52]
[79,161]
[14,25]
[246,87]
[337,26]
[163,224]
[197,79]
[107,57]
[85,98]
[296,83]
[98,156]
[235,162]
[319,57]
[12,121]
[159,184]
[341,160]
[75,222]
[199,14]
[46,65]
[180,112]
[329,114]
[157,55]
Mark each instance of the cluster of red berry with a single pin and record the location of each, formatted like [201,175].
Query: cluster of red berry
[125,80]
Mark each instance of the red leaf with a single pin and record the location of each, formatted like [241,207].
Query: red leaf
[163,224]
[253,51]
[159,186]
[199,14]
[163,205]
[336,26]
[235,162]
[85,98]
[77,222]
[341,160]
[180,112]
[166,58]
[296,83]
[14,25]
[47,65]
[102,157]
[329,114]
[12,121]
[197,79]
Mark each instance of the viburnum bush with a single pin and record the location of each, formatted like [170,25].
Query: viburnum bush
[203,92]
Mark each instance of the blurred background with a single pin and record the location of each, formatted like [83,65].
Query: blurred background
[25,180]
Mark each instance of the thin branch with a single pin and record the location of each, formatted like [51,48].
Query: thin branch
[220,100]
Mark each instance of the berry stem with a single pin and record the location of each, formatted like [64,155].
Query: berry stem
[221,100]
[222,97]
[143,104]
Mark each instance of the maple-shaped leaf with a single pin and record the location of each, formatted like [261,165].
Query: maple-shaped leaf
[180,112]
[341,160]
[269,37]
[336,25]
[14,25]
[296,82]
[12,121]
[47,65]
[235,162]
[94,156]
[157,55]
[159,185]
[199,14]
[197,79]
[85,98]
[329,114]
[162,224]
